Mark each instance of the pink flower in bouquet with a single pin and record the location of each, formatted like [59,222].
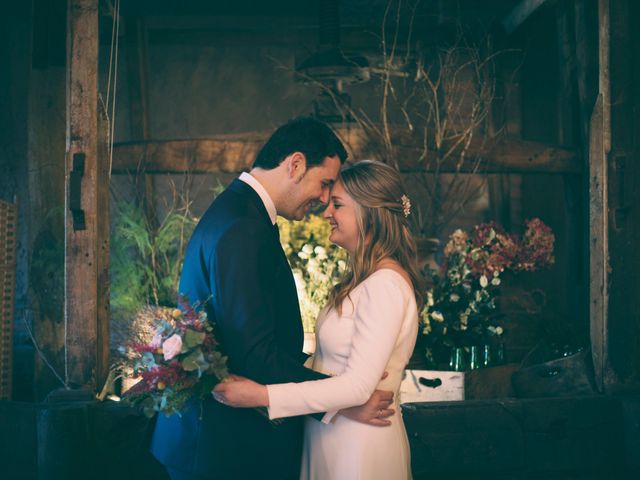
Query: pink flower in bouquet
[181,362]
[172,346]
[185,369]
[156,341]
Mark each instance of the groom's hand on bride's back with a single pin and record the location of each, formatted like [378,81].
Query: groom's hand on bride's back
[375,411]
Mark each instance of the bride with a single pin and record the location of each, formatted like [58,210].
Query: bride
[368,327]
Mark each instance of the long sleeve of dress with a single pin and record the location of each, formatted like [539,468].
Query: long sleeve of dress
[379,313]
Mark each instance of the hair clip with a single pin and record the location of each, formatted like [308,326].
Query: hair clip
[406,205]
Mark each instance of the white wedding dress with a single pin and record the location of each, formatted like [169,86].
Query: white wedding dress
[375,333]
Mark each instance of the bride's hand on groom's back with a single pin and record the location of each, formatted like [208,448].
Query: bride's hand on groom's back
[241,392]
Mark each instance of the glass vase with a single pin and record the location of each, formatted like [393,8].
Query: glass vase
[458,360]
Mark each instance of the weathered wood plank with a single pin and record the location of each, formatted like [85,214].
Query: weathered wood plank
[46,157]
[598,235]
[102,251]
[8,227]
[82,258]
[234,154]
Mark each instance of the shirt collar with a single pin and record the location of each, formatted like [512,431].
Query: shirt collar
[262,193]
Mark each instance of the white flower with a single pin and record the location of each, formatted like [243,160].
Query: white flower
[308,249]
[312,266]
[320,252]
[454,297]
[495,281]
[495,330]
[437,316]
[484,281]
[298,279]
[430,298]
[303,255]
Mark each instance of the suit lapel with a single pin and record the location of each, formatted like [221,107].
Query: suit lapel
[253,199]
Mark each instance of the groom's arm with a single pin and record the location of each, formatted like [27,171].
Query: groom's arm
[242,282]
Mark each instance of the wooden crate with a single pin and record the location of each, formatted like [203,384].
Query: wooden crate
[8,220]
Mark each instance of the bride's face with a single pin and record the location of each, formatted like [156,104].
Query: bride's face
[342,214]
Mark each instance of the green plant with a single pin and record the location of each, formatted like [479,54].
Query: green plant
[146,262]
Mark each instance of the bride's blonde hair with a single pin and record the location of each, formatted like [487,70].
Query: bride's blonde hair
[383,227]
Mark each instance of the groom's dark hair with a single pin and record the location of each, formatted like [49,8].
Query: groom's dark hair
[307,135]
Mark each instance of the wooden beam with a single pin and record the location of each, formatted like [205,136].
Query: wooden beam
[520,13]
[505,156]
[196,156]
[234,154]
[84,256]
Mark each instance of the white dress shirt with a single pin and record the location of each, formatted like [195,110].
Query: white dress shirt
[262,193]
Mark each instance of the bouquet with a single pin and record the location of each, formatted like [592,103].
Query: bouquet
[181,362]
[461,309]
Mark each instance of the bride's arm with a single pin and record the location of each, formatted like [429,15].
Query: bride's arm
[378,318]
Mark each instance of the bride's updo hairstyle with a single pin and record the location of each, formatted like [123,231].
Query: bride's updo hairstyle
[382,212]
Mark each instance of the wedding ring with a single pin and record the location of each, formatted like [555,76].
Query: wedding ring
[218,398]
[379,413]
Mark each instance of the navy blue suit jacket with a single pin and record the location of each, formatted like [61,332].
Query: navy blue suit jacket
[235,261]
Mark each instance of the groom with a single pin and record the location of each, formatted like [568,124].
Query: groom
[235,263]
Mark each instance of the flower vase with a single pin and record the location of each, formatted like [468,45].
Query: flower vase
[486,359]
[499,355]
[474,357]
[458,360]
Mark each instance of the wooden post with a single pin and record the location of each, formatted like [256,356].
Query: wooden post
[85,253]
[46,173]
[623,170]
[575,185]
[599,147]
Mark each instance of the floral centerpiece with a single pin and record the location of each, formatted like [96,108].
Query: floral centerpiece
[461,309]
[182,361]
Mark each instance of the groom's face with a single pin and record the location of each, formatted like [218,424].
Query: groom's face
[311,186]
